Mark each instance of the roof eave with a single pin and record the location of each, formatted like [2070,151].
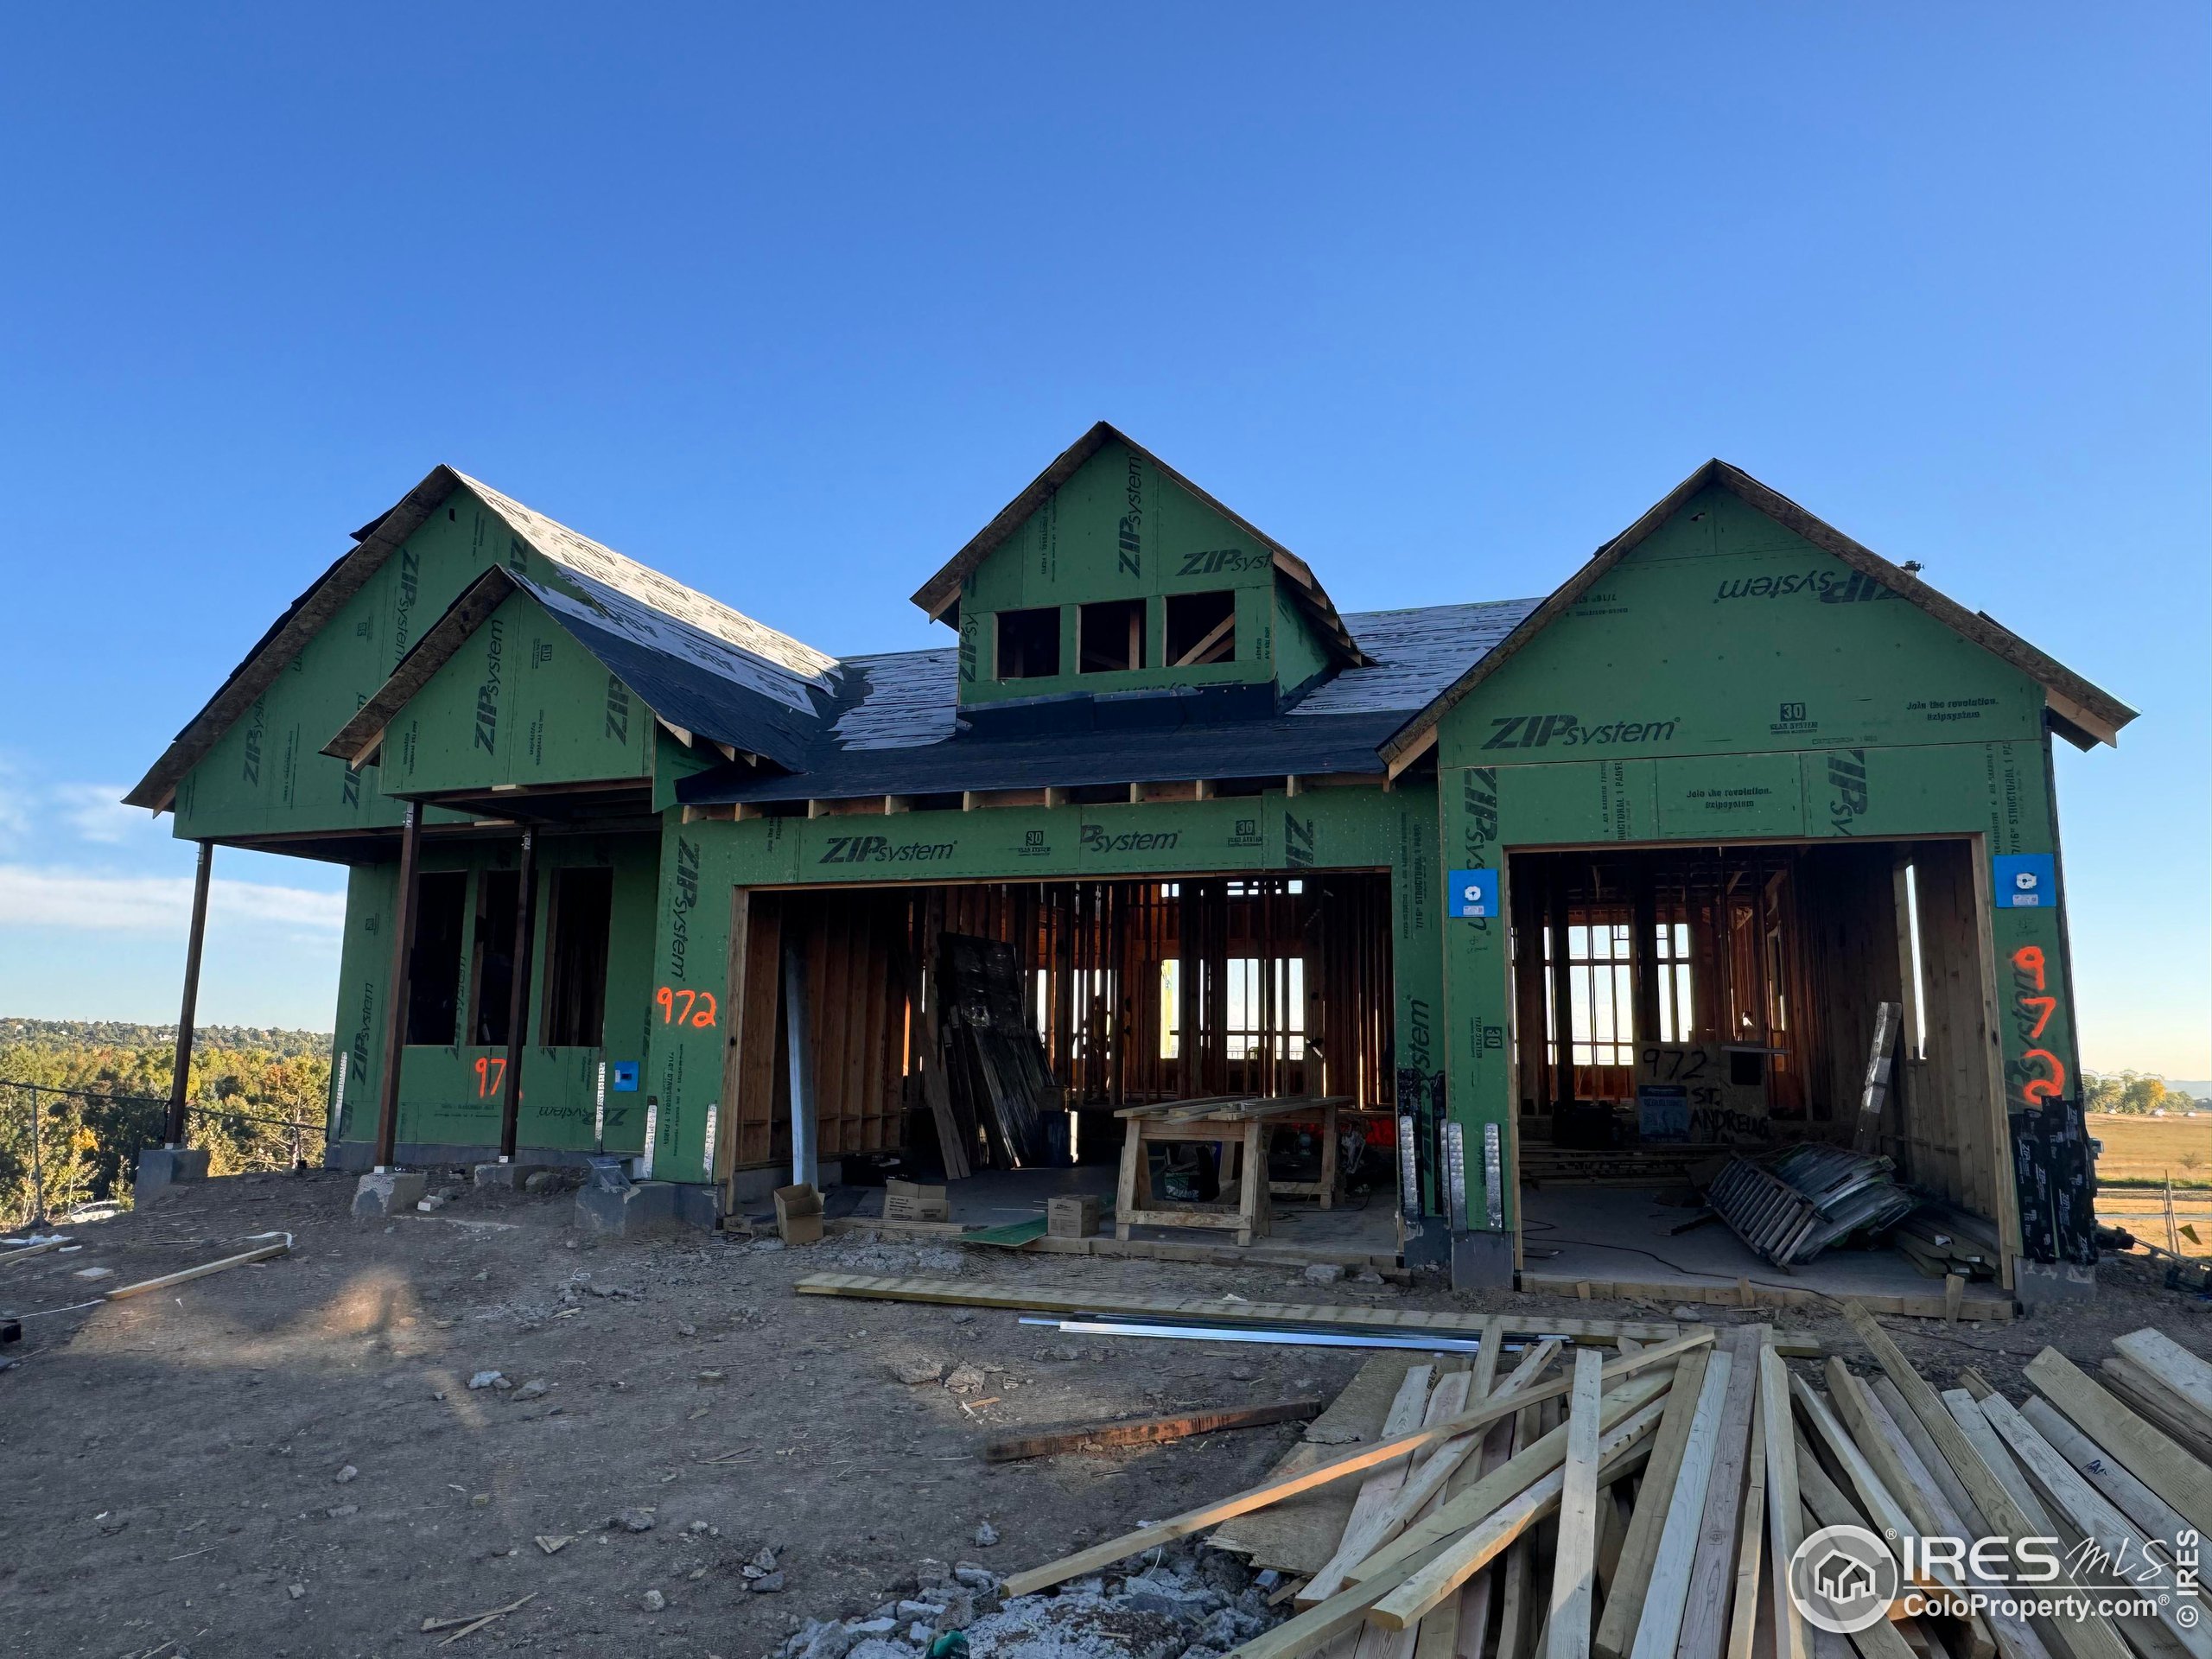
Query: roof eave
[344,578]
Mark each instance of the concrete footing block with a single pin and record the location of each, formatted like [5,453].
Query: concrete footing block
[388,1193]
[508,1175]
[161,1166]
[627,1211]
[2035,1284]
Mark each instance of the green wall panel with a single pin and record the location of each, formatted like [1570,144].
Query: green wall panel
[1730,797]
[521,702]
[443,1097]
[1724,634]
[1117,529]
[266,775]
[1999,792]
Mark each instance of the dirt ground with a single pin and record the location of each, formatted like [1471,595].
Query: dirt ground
[178,1463]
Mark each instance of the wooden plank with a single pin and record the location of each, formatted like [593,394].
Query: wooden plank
[1622,1448]
[1925,1449]
[1517,1586]
[2095,1518]
[1655,1628]
[1543,1454]
[1574,1571]
[1751,1553]
[2182,1373]
[1375,1492]
[2090,1637]
[1705,1608]
[1366,1458]
[167,1279]
[2149,1399]
[1147,1431]
[1617,1626]
[1932,1516]
[1784,1518]
[2151,1456]
[2000,1462]
[1426,1484]
[2151,1515]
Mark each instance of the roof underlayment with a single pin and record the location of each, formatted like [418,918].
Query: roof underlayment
[890,725]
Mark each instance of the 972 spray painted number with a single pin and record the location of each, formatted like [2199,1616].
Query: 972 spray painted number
[683,1007]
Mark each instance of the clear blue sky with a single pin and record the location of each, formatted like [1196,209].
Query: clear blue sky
[788,300]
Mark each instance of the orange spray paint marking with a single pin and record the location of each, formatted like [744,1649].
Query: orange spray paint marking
[2048,1004]
[2029,960]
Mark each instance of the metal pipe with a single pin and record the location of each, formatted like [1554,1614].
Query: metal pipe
[403,945]
[519,997]
[802,1063]
[181,1068]
[1426,1345]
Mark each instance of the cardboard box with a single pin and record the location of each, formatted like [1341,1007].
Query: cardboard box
[798,1214]
[911,1201]
[1073,1217]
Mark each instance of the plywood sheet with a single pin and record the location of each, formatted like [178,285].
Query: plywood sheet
[1300,1534]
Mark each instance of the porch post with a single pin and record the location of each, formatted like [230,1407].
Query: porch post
[174,1132]
[518,996]
[403,945]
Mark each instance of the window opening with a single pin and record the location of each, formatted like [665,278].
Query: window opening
[1201,628]
[434,962]
[1112,636]
[582,905]
[499,895]
[1029,644]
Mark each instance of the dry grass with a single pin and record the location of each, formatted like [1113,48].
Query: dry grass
[2152,1148]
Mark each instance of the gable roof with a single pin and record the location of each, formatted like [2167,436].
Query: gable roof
[596,570]
[2081,712]
[696,683]
[941,593]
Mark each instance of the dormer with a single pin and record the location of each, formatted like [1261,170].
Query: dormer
[1114,577]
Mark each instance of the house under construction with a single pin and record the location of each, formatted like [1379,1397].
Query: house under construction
[1656,867]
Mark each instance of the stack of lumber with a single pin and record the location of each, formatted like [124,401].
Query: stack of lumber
[1544,1166]
[1939,1239]
[994,1064]
[1549,1501]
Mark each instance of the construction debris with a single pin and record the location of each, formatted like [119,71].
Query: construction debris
[1652,1507]
[1790,1206]
[1145,1431]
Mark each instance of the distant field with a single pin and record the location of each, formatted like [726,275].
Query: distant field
[2150,1149]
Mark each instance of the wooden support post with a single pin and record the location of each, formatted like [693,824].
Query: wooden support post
[181,1073]
[402,946]
[518,996]
[1562,1055]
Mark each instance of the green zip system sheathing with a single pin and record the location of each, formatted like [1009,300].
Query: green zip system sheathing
[702,863]
[1731,675]
[1118,529]
[449,1093]
[1728,682]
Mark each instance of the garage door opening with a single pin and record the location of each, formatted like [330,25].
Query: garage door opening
[1678,1009]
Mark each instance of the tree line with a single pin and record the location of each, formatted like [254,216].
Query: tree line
[2136,1092]
[262,1097]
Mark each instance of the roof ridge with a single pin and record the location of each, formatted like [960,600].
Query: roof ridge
[579,554]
